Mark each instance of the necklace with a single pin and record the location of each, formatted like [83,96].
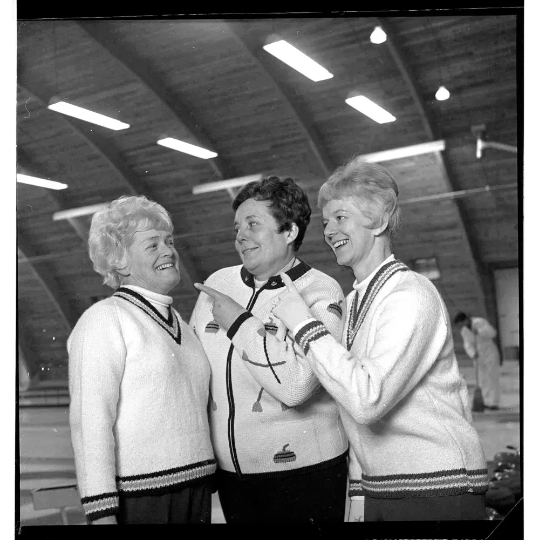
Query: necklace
[357,314]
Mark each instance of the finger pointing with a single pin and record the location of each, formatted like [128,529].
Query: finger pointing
[208,290]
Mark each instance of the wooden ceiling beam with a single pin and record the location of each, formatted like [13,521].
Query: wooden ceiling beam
[26,166]
[432,133]
[48,282]
[263,60]
[143,71]
[104,149]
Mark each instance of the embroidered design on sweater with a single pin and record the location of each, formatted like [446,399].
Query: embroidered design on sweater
[163,481]
[172,326]
[271,327]
[336,308]
[357,315]
[212,327]
[257,407]
[439,483]
[246,358]
[284,456]
[99,506]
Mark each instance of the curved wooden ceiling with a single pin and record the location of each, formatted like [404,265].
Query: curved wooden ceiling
[210,83]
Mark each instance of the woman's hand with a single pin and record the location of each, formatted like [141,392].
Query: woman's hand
[225,310]
[107,520]
[291,308]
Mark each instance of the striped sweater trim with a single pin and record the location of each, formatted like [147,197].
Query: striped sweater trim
[358,314]
[312,331]
[163,480]
[439,483]
[98,506]
[355,488]
[172,326]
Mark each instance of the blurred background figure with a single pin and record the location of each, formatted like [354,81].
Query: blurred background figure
[478,340]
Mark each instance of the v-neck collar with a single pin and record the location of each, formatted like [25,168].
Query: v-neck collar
[170,324]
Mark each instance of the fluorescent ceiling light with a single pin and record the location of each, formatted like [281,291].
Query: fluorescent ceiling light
[442,94]
[78,212]
[370,109]
[378,35]
[34,181]
[87,116]
[231,183]
[297,60]
[404,152]
[186,148]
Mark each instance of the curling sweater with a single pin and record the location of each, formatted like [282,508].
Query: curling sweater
[139,383]
[403,402]
[269,416]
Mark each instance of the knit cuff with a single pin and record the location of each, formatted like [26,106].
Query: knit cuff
[355,489]
[237,323]
[310,332]
[99,506]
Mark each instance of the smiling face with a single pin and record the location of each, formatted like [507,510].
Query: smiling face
[347,232]
[262,249]
[153,262]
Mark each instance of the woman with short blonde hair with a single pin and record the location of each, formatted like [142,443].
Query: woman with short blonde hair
[139,380]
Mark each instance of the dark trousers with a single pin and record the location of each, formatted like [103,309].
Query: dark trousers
[187,505]
[313,497]
[449,508]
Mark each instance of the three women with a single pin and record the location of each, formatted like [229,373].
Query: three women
[285,371]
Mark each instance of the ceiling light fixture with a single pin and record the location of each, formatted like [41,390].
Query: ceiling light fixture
[370,109]
[87,116]
[442,94]
[378,35]
[41,182]
[230,183]
[78,212]
[186,148]
[296,59]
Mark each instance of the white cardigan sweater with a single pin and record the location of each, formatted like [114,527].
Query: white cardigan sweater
[269,416]
[139,384]
[402,400]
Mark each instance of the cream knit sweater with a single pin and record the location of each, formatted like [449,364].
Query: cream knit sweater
[402,400]
[138,382]
[269,415]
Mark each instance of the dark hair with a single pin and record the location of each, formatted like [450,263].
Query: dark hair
[288,202]
[460,317]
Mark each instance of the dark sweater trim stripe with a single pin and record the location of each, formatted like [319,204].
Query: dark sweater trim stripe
[312,331]
[100,497]
[92,516]
[170,488]
[284,474]
[235,326]
[275,282]
[166,472]
[420,476]
[417,494]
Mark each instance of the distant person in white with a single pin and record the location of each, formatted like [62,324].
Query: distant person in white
[139,381]
[478,340]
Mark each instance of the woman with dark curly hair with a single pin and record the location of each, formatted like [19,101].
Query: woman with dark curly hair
[278,439]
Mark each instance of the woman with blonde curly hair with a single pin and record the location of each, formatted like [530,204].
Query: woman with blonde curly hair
[139,380]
